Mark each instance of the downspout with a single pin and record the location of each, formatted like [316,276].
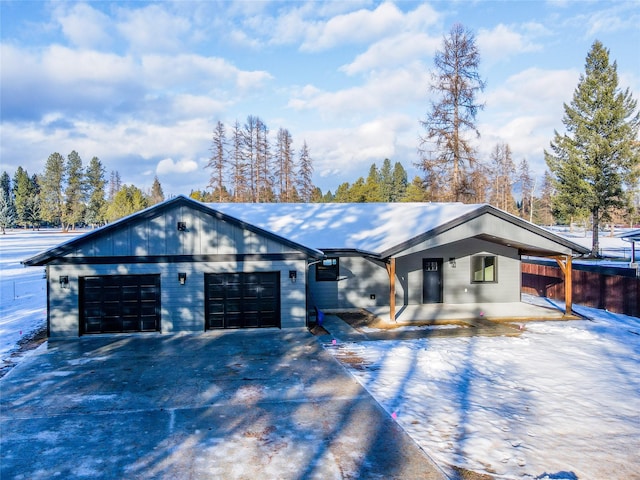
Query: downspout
[308,295]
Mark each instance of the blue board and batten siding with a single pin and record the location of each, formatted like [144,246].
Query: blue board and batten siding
[207,245]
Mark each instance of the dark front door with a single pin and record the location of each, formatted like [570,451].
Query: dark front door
[431,280]
[242,300]
[119,303]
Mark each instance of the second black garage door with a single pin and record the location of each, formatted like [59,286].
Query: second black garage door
[242,300]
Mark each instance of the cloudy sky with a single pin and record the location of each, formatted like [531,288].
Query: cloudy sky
[141,85]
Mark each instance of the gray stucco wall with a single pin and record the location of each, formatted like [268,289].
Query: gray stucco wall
[182,306]
[360,278]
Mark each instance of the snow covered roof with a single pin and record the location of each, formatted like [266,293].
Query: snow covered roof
[380,229]
[631,236]
[377,229]
[366,227]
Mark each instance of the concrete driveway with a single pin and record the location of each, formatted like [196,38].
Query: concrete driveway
[244,404]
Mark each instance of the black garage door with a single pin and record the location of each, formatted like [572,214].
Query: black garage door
[242,300]
[120,303]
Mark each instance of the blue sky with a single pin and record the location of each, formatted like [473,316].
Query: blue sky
[141,84]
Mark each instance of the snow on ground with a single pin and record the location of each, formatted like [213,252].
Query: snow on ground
[610,246]
[560,401]
[23,295]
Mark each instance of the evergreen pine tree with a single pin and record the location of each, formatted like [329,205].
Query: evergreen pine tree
[22,193]
[595,163]
[7,209]
[399,183]
[95,183]
[157,195]
[386,181]
[305,174]
[74,194]
[52,182]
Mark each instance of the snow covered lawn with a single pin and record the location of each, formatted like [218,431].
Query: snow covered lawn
[562,401]
[23,295]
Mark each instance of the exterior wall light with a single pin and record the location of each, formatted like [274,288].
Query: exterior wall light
[452,262]
[293,275]
[182,278]
[64,281]
[182,226]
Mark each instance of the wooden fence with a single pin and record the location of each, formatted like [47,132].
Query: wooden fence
[611,288]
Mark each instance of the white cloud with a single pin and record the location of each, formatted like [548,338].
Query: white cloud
[394,51]
[350,151]
[354,27]
[502,42]
[153,29]
[208,73]
[534,89]
[383,91]
[168,166]
[615,17]
[524,112]
[85,26]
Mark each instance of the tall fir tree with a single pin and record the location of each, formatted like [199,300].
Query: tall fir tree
[447,155]
[74,194]
[218,162]
[7,208]
[157,195]
[95,183]
[399,183]
[527,190]
[594,163]
[22,192]
[305,173]
[372,186]
[386,181]
[285,166]
[503,172]
[52,184]
[115,184]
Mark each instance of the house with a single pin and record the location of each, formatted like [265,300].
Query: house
[185,266]
[632,236]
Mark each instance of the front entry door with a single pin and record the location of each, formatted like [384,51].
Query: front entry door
[432,280]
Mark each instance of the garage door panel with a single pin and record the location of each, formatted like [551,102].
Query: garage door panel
[120,303]
[242,300]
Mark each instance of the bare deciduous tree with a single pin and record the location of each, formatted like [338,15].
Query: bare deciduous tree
[447,155]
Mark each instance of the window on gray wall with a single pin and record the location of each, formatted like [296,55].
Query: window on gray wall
[327,270]
[484,269]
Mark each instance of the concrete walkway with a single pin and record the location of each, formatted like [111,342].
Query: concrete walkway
[254,404]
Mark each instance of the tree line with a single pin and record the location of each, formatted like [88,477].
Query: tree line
[247,166]
[593,168]
[67,194]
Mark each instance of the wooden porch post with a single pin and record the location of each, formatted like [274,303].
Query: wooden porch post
[565,264]
[391,270]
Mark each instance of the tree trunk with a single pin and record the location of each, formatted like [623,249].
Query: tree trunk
[595,234]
